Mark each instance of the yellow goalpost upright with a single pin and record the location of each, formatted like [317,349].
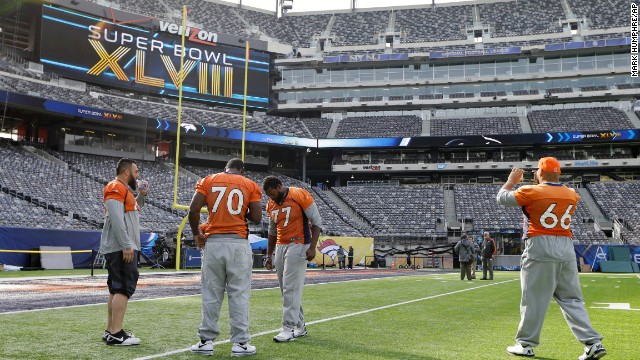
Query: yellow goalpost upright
[175,204]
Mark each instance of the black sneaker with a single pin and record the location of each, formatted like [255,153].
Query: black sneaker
[122,338]
[106,334]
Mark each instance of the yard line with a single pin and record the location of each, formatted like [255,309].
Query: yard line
[275,331]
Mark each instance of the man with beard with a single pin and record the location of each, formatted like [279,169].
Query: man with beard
[294,227]
[120,244]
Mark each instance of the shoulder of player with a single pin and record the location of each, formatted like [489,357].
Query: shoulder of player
[115,186]
[297,192]
[235,179]
[527,188]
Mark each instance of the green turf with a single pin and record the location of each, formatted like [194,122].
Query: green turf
[474,324]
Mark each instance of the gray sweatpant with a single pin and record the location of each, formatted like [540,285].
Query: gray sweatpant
[549,269]
[226,263]
[487,265]
[291,266]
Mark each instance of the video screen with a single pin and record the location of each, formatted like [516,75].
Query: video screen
[147,60]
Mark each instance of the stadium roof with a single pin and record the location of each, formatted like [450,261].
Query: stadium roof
[312,5]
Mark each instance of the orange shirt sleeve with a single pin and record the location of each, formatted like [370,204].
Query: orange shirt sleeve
[256,193]
[201,187]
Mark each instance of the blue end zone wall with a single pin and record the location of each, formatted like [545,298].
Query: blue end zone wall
[12,238]
[593,254]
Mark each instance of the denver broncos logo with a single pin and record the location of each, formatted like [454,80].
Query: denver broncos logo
[330,248]
[188,127]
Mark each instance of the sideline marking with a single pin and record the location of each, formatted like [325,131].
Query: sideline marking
[185,296]
[173,352]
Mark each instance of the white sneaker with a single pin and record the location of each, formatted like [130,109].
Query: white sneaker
[203,347]
[242,349]
[122,339]
[300,331]
[594,351]
[284,336]
[520,350]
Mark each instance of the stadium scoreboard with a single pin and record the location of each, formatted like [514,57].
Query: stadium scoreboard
[94,49]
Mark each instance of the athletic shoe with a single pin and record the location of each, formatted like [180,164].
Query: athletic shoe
[242,349]
[284,336]
[122,339]
[106,334]
[520,350]
[594,351]
[300,331]
[203,347]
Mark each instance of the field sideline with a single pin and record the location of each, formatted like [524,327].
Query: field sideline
[422,316]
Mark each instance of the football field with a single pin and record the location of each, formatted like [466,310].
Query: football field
[417,315]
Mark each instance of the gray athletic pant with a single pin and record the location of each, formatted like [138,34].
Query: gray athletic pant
[487,264]
[549,269]
[226,263]
[291,266]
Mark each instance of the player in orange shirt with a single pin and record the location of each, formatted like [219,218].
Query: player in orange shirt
[120,244]
[549,266]
[294,227]
[227,258]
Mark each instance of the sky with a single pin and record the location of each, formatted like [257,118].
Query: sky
[315,5]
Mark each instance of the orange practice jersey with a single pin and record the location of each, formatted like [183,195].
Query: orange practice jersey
[228,197]
[117,190]
[291,221]
[549,208]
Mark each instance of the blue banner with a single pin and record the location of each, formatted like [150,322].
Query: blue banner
[364,57]
[593,254]
[474,52]
[12,238]
[587,44]
[577,136]
[362,143]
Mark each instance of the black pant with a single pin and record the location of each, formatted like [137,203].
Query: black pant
[350,262]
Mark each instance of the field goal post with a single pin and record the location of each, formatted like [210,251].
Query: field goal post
[175,204]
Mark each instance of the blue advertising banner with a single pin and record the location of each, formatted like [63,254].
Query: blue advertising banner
[587,44]
[362,143]
[474,52]
[12,238]
[364,57]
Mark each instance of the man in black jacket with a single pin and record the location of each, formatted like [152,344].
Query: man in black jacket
[488,250]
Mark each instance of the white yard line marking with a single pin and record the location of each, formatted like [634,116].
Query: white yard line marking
[335,318]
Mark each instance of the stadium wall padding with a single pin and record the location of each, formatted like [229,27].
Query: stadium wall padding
[12,238]
[593,254]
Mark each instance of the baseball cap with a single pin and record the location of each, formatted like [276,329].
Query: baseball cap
[549,164]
